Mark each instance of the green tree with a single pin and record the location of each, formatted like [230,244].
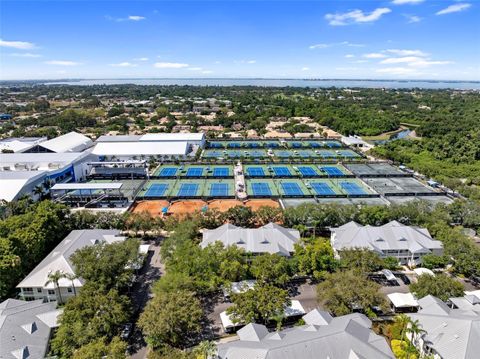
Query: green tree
[270,268]
[432,261]
[346,291]
[171,318]
[239,216]
[54,278]
[101,348]
[258,305]
[440,286]
[315,257]
[361,259]
[206,349]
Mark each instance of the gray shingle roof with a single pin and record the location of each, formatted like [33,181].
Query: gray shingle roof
[390,236]
[25,328]
[323,337]
[452,333]
[270,238]
[59,258]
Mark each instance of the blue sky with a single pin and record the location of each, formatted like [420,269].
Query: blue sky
[406,39]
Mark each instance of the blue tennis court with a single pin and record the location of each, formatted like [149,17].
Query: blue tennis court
[315,144]
[156,190]
[333,144]
[306,154]
[347,154]
[168,172]
[220,171]
[297,145]
[352,188]
[255,171]
[188,190]
[272,145]
[328,154]
[234,145]
[261,189]
[216,145]
[322,189]
[307,171]
[219,190]
[332,171]
[281,171]
[283,154]
[194,172]
[232,153]
[257,153]
[291,189]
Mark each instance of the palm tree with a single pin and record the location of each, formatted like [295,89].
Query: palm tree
[402,320]
[54,277]
[38,191]
[71,277]
[207,349]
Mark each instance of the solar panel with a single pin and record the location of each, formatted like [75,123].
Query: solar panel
[194,172]
[188,190]
[220,171]
[307,171]
[168,172]
[352,188]
[291,189]
[219,190]
[332,171]
[322,189]
[281,171]
[156,190]
[255,171]
[261,189]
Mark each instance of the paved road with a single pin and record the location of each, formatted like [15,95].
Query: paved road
[151,271]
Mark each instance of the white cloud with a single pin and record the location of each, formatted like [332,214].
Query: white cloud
[129,18]
[349,56]
[26,54]
[169,65]
[207,72]
[136,18]
[359,61]
[305,68]
[454,8]
[400,52]
[356,16]
[124,64]
[140,59]
[62,63]
[374,55]
[319,46]
[251,61]
[402,2]
[413,61]
[194,68]
[246,62]
[21,45]
[217,62]
[398,71]
[413,18]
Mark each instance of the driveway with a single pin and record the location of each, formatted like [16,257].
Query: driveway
[141,294]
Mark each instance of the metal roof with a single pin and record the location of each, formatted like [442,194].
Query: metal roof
[402,300]
[59,258]
[323,337]
[13,182]
[452,333]
[390,236]
[25,328]
[90,185]
[140,148]
[270,238]
[69,142]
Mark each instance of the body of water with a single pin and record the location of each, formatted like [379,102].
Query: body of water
[396,136]
[280,83]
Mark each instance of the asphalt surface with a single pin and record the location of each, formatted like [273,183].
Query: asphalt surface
[150,272]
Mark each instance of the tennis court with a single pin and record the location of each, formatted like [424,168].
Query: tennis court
[219,190]
[261,188]
[331,170]
[216,145]
[194,172]
[221,172]
[168,172]
[214,154]
[347,154]
[307,171]
[327,154]
[281,171]
[376,170]
[322,189]
[188,190]
[255,171]
[234,144]
[333,144]
[296,144]
[352,188]
[283,153]
[157,190]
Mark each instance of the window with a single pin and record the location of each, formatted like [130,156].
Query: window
[39,290]
[69,290]
[51,292]
[28,289]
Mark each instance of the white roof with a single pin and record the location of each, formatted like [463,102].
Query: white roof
[69,142]
[90,185]
[40,159]
[421,271]
[59,258]
[270,238]
[139,148]
[402,300]
[390,236]
[173,137]
[351,140]
[13,182]
[20,144]
[295,308]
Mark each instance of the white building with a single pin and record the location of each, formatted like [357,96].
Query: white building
[69,142]
[26,328]
[270,238]
[406,243]
[34,285]
[157,145]
[21,173]
[19,144]
[449,333]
